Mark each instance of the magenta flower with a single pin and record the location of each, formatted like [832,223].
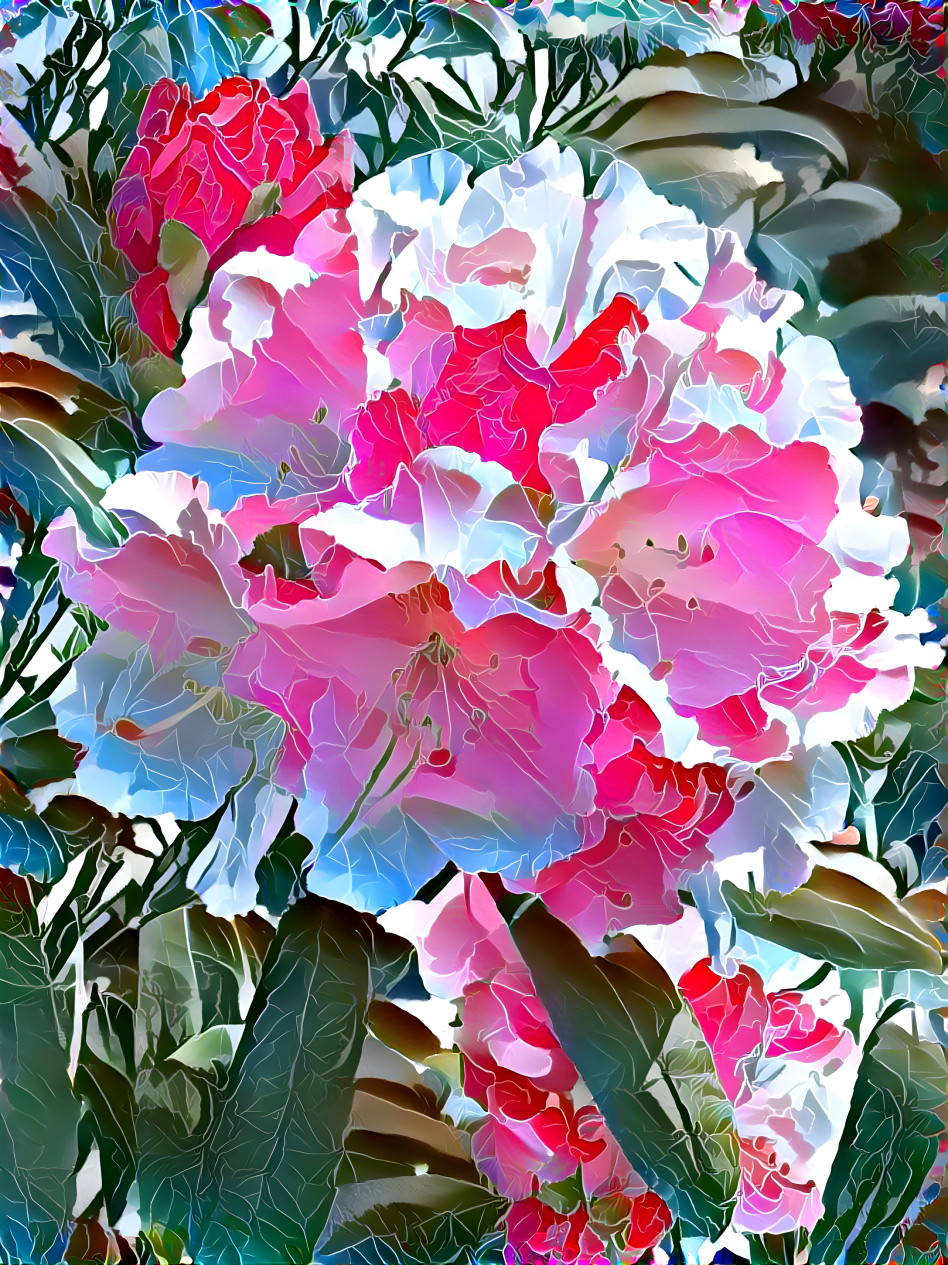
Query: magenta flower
[237,170]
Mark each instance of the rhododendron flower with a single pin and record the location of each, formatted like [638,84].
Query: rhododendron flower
[731,1012]
[919,23]
[174,583]
[535,1133]
[789,1072]
[275,369]
[146,701]
[236,170]
[737,1020]
[770,1201]
[795,1031]
[537,1235]
[409,729]
[651,826]
[686,545]
[491,397]
[599,456]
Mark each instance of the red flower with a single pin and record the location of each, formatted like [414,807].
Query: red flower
[794,1031]
[910,21]
[770,1198]
[649,1222]
[490,396]
[652,823]
[731,1013]
[238,169]
[538,1235]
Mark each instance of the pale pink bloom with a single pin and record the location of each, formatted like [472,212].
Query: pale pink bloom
[459,935]
[276,366]
[478,734]
[772,1199]
[175,583]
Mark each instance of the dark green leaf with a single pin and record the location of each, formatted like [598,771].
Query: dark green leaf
[649,1072]
[888,1145]
[268,1176]
[613,1011]
[38,1113]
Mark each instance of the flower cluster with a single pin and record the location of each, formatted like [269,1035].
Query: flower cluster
[463,651]
[529,538]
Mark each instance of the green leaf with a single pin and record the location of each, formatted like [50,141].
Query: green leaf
[423,1220]
[239,21]
[269,1172]
[184,257]
[38,1113]
[110,1099]
[51,472]
[645,1064]
[215,1044]
[837,918]
[174,1101]
[616,1009]
[37,758]
[888,1146]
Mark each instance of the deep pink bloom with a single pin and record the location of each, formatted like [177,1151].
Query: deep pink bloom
[716,580]
[240,169]
[651,826]
[490,396]
[276,367]
[538,1235]
[795,1031]
[514,1064]
[913,22]
[732,1014]
[481,731]
[174,583]
[650,1220]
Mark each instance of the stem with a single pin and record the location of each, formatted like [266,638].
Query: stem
[356,808]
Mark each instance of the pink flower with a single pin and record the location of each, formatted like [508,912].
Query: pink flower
[770,1199]
[652,823]
[490,396]
[732,1014]
[238,169]
[794,1031]
[175,583]
[477,734]
[538,1235]
[513,1063]
[650,1220]
[276,366]
[721,584]
[912,22]
[460,936]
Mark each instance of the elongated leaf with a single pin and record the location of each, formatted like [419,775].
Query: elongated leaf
[616,1009]
[423,1220]
[840,919]
[649,1071]
[888,1145]
[174,1101]
[110,1098]
[50,472]
[38,1113]
[269,1173]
